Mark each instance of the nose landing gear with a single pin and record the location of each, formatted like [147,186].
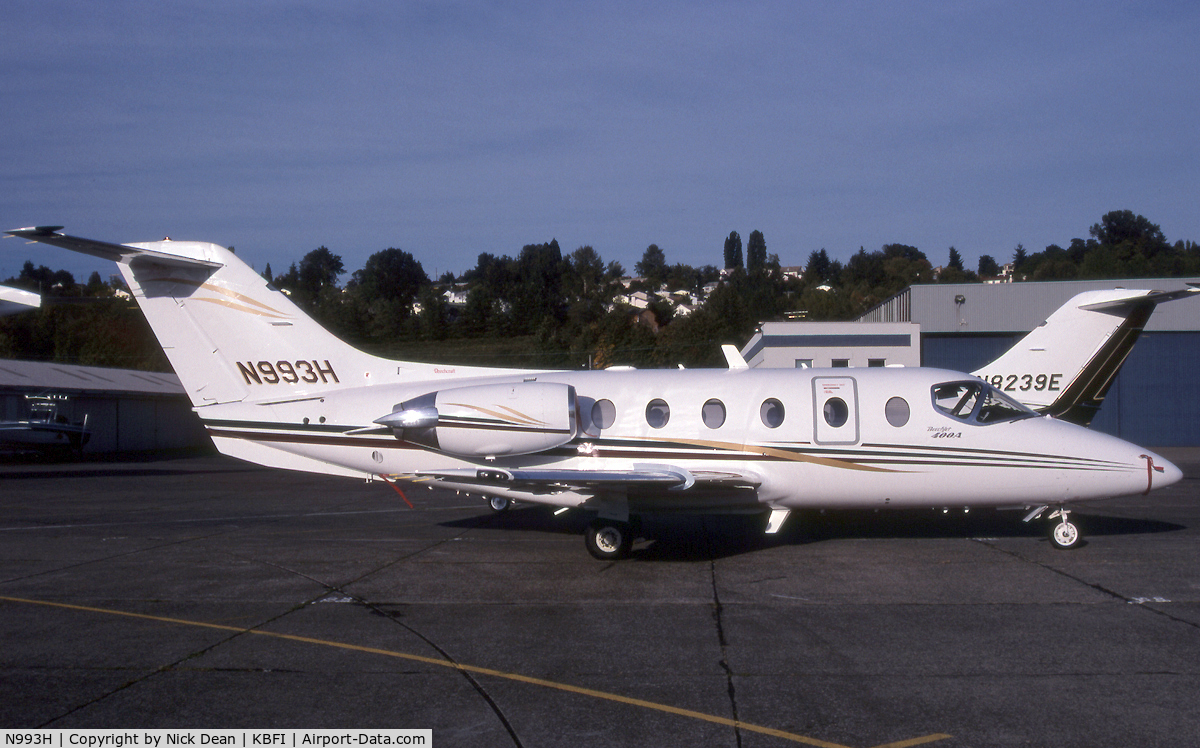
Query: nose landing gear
[1064,535]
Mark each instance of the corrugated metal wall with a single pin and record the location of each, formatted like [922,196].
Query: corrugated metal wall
[128,423]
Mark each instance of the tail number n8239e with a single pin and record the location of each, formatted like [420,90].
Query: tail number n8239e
[1024,382]
[288,372]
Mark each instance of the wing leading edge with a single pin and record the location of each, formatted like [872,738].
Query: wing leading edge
[551,480]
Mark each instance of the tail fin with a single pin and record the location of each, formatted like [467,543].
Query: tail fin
[1065,366]
[230,335]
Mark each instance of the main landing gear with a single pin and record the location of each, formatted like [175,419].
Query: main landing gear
[608,539]
[500,503]
[1063,535]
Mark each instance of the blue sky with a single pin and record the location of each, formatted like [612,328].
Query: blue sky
[449,129]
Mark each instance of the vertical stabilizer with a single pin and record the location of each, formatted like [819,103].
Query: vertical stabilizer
[1065,366]
[229,335]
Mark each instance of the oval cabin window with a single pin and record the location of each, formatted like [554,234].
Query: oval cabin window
[604,414]
[713,414]
[658,413]
[836,412]
[771,413]
[896,411]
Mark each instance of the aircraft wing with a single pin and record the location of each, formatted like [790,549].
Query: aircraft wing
[548,480]
[107,250]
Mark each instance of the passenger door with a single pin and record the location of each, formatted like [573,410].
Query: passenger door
[835,410]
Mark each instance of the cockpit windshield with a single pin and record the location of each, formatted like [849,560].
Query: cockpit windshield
[977,402]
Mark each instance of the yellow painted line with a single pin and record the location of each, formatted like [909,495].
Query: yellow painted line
[916,741]
[481,671]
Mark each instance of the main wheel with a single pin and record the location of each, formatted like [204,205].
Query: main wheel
[1064,535]
[499,503]
[608,540]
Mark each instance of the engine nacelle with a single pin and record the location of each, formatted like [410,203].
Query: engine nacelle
[488,420]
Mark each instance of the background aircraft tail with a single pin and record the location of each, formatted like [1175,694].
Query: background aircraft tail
[1065,366]
[230,335]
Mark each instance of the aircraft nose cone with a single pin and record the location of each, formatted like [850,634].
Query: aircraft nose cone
[1160,472]
[1171,474]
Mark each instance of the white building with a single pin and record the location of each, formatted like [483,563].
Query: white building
[786,345]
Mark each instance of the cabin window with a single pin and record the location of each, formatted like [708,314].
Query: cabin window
[841,363]
[658,413]
[836,412]
[713,414]
[604,414]
[977,402]
[804,363]
[896,411]
[877,362]
[771,413]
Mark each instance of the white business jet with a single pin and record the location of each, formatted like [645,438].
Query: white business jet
[274,388]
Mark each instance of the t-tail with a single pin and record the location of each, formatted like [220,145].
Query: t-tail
[1065,366]
[228,333]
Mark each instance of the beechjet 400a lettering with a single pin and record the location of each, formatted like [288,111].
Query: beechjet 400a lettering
[274,388]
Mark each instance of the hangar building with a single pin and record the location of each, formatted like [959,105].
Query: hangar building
[127,411]
[1154,401]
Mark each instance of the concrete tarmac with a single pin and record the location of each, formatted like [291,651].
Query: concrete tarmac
[203,592]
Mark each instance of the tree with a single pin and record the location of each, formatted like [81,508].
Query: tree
[317,271]
[955,259]
[585,273]
[652,267]
[988,267]
[1020,255]
[1121,226]
[538,290]
[391,274]
[756,252]
[816,271]
[45,281]
[733,251]
[384,290]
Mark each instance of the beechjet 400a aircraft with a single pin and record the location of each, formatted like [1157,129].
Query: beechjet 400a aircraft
[274,388]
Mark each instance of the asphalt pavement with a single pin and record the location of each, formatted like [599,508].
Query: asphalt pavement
[203,592]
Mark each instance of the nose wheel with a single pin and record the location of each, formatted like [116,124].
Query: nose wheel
[1064,535]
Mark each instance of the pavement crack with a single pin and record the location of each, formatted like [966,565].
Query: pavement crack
[717,612]
[1093,585]
[339,589]
[168,667]
[471,679]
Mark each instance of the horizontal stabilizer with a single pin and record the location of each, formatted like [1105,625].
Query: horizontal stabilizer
[1139,297]
[123,253]
[14,300]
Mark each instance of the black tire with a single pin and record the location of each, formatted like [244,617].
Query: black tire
[609,540]
[1064,536]
[499,504]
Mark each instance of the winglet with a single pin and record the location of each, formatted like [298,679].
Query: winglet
[734,357]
